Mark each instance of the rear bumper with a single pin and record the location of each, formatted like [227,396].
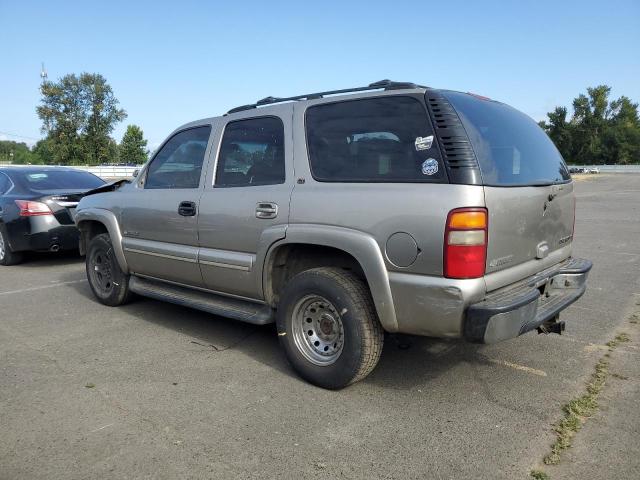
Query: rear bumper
[41,234]
[515,310]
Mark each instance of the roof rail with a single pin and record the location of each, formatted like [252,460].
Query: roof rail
[382,84]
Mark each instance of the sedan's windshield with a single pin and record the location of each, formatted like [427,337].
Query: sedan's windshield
[511,148]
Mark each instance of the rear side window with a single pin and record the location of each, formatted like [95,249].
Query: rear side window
[382,139]
[252,153]
[5,183]
[178,163]
[511,148]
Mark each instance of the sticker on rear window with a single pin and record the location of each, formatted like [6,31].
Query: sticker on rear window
[424,143]
[430,166]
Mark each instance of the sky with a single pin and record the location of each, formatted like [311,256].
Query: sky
[173,62]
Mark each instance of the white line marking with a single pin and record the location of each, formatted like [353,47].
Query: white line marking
[98,429]
[522,368]
[42,287]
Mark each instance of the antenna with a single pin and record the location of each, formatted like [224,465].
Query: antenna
[43,73]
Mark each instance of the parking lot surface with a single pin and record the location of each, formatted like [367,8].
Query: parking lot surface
[153,390]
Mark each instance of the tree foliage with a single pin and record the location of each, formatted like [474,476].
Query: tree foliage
[600,130]
[133,147]
[79,114]
[18,153]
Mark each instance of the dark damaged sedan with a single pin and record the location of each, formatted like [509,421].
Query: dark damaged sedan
[37,205]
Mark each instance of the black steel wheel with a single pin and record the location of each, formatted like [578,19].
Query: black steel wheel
[108,282]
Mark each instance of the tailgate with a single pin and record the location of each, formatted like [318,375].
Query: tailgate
[528,223]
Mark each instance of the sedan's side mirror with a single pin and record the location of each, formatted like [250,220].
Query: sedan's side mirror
[135,173]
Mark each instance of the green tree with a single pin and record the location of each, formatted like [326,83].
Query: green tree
[599,131]
[15,152]
[78,114]
[133,147]
[42,152]
[104,114]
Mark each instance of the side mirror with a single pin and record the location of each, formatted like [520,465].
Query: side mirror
[135,173]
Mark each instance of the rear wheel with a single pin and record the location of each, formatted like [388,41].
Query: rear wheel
[7,257]
[328,327]
[108,282]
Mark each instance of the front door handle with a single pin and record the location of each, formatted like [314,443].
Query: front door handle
[187,209]
[266,210]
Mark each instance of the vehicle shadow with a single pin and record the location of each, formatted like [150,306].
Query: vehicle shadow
[50,259]
[211,332]
[406,360]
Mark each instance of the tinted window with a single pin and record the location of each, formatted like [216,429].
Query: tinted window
[58,180]
[511,148]
[252,153]
[178,163]
[386,139]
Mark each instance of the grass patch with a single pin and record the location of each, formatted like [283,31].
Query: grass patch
[620,338]
[578,410]
[539,475]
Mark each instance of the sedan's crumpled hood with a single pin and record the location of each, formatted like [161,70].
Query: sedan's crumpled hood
[108,187]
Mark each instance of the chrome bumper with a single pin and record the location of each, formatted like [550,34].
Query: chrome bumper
[514,310]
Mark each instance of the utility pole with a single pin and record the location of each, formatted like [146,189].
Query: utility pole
[43,74]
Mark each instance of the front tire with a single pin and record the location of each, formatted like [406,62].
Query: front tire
[108,282]
[7,256]
[328,327]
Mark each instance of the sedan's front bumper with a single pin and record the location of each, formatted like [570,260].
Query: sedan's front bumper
[514,310]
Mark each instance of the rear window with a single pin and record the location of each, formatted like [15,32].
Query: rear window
[382,139]
[511,148]
[60,180]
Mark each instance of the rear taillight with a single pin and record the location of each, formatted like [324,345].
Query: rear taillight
[33,209]
[465,243]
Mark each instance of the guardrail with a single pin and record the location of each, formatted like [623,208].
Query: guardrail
[109,171]
[611,168]
[102,171]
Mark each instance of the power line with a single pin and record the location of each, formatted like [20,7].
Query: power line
[19,136]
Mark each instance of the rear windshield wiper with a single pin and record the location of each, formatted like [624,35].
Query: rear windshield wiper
[544,183]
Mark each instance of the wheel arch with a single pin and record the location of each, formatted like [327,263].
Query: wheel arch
[309,246]
[92,222]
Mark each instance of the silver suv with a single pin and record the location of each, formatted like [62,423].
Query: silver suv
[341,215]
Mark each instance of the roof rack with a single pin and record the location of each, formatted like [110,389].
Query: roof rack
[382,84]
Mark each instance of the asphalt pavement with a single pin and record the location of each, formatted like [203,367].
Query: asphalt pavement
[153,390]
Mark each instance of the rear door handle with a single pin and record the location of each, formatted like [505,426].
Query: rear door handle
[266,210]
[187,209]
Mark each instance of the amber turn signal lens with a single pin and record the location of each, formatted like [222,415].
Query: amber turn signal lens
[468,220]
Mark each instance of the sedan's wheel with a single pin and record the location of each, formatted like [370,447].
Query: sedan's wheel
[328,327]
[108,282]
[7,257]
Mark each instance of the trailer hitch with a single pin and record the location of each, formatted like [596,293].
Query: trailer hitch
[552,325]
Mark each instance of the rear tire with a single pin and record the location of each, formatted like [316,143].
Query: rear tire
[328,327]
[108,282]
[7,256]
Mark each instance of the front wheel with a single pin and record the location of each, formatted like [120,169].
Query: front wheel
[108,282]
[328,327]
